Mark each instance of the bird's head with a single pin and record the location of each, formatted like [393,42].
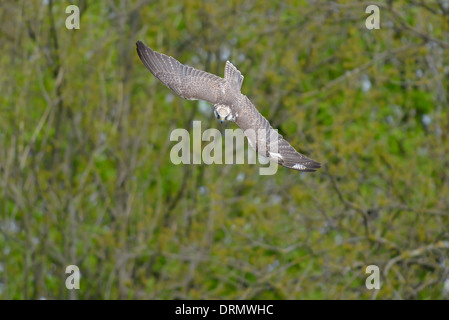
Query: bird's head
[222,112]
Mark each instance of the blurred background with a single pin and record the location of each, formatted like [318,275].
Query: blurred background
[86,176]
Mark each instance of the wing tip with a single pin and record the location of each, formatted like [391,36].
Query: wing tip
[143,49]
[233,74]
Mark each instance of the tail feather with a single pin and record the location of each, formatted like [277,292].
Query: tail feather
[233,75]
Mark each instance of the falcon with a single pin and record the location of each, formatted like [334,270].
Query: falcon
[229,104]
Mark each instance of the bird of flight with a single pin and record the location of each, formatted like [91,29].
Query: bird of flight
[229,104]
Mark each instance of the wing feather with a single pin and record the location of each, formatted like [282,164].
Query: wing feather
[187,82]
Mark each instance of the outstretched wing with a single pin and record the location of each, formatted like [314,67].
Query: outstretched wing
[185,81]
[266,141]
[233,76]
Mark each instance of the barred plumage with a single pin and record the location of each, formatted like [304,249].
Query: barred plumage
[194,84]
